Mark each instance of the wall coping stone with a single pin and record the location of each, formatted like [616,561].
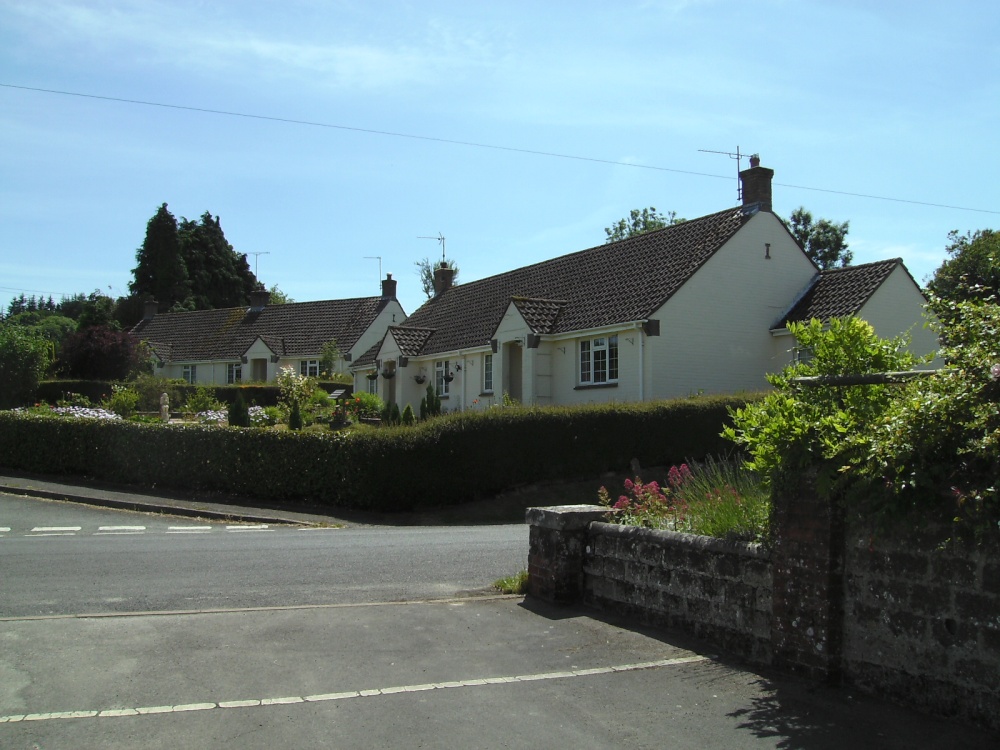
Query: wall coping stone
[565,517]
[705,543]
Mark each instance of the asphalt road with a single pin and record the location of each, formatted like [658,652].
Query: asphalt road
[167,636]
[60,558]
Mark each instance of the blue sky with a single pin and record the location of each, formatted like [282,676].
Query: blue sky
[893,99]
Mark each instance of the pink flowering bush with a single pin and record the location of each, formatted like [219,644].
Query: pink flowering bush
[717,498]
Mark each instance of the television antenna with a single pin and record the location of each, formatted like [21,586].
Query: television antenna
[256,258]
[379,259]
[439,238]
[739,157]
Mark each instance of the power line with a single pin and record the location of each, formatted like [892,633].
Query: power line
[473,144]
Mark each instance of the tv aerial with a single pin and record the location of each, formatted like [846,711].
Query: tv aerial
[439,238]
[739,167]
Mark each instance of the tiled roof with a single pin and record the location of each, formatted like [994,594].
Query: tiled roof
[297,329]
[839,292]
[410,339]
[539,314]
[612,283]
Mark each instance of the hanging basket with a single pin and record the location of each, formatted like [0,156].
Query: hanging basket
[388,374]
[449,377]
[421,379]
[372,376]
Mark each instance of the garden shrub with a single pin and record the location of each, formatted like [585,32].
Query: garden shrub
[123,401]
[239,414]
[201,400]
[24,358]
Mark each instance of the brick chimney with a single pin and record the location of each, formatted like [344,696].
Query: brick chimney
[443,276]
[259,299]
[389,287]
[756,183]
[150,308]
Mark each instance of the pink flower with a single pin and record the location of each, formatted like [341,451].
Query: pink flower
[628,485]
[622,503]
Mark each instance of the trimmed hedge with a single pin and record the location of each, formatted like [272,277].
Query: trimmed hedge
[449,460]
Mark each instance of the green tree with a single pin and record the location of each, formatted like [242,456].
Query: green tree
[218,276]
[972,268]
[824,241]
[160,272]
[278,297]
[24,359]
[640,221]
[425,269]
[98,310]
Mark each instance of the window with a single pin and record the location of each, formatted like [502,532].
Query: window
[190,374]
[372,385]
[234,373]
[599,360]
[442,376]
[488,373]
[309,368]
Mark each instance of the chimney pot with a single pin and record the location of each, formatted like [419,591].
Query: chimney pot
[756,182]
[259,299]
[443,278]
[150,309]
[389,287]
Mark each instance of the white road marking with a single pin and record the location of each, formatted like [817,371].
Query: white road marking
[188,529]
[4,529]
[121,528]
[56,528]
[262,702]
[260,527]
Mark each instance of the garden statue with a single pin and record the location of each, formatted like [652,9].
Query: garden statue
[164,407]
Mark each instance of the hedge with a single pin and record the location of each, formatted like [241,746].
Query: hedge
[444,461]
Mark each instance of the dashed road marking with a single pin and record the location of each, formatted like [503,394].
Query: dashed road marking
[350,694]
[188,529]
[258,527]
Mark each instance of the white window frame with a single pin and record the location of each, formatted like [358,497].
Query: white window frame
[309,368]
[234,373]
[488,373]
[440,384]
[190,374]
[598,360]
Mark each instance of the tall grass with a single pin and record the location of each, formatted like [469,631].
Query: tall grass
[716,497]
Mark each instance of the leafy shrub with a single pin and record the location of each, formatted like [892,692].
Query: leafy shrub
[201,400]
[239,414]
[365,405]
[151,387]
[407,417]
[123,401]
[24,358]
[938,444]
[295,416]
[73,399]
[794,427]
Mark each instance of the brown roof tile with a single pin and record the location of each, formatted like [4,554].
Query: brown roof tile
[612,283]
[839,292]
[297,329]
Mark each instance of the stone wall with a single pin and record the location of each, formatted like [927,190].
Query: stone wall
[904,614]
[715,590]
[922,620]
